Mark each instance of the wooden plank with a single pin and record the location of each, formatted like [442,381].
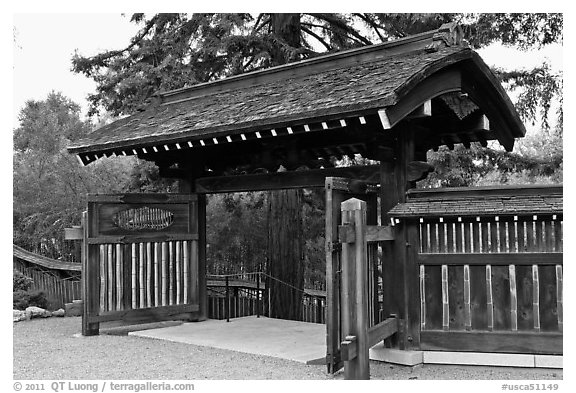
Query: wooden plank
[445,299]
[560,296]
[512,237]
[102,273]
[349,350]
[148,314]
[141,283]
[157,254]
[456,297]
[133,275]
[480,192]
[74,233]
[539,235]
[478,298]
[382,331]
[374,233]
[521,228]
[525,297]
[558,241]
[544,258]
[110,271]
[493,237]
[530,233]
[501,297]
[507,342]
[434,237]
[450,241]
[459,237]
[484,237]
[467,299]
[186,256]
[502,236]
[178,279]
[164,273]
[425,237]
[142,237]
[548,235]
[149,282]
[442,247]
[119,276]
[433,297]
[513,298]
[422,277]
[467,237]
[536,297]
[284,180]
[548,299]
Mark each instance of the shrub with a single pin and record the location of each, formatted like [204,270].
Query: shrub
[20,282]
[23,299]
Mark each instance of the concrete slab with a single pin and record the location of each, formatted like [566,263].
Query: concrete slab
[298,341]
[548,361]
[479,359]
[396,356]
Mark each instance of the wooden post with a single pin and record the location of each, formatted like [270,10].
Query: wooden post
[258,295]
[354,286]
[227,304]
[90,281]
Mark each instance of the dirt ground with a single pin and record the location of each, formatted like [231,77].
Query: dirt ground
[52,349]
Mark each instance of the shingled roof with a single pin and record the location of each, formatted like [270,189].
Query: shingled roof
[496,201]
[352,83]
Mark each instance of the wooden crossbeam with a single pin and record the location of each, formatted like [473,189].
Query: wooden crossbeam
[349,348]
[382,331]
[376,334]
[374,233]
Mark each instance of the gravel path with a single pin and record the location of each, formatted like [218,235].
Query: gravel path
[51,349]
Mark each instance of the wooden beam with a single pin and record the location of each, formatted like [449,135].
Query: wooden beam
[382,331]
[374,233]
[440,83]
[384,119]
[349,348]
[424,110]
[74,233]
[526,258]
[476,341]
[284,180]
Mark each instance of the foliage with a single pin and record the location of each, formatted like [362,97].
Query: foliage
[23,299]
[236,227]
[49,186]
[20,282]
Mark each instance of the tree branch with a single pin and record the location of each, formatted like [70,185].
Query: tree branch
[372,24]
[338,23]
[310,32]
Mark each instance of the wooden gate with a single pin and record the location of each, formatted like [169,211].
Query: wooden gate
[337,191]
[141,259]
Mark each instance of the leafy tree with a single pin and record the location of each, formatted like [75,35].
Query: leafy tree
[48,184]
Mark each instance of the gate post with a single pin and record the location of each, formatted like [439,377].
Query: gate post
[355,290]
[90,276]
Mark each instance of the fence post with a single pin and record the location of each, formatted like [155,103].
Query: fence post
[227,304]
[354,288]
[258,295]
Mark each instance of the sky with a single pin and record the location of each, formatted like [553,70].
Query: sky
[44,44]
